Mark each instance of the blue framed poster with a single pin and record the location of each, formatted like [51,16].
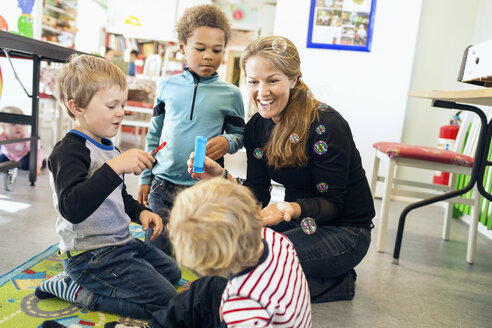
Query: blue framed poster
[341,24]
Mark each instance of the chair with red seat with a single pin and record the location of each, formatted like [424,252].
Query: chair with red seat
[428,158]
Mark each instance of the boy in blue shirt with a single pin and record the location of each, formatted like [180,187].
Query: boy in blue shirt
[194,103]
[106,269]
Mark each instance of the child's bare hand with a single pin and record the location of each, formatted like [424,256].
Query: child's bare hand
[211,168]
[151,220]
[131,161]
[143,194]
[217,147]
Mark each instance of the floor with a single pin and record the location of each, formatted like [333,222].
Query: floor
[431,287]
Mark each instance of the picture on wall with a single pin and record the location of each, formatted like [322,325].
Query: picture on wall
[341,24]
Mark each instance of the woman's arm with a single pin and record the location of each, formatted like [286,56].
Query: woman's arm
[257,177]
[330,156]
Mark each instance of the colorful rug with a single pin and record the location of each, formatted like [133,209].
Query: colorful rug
[20,308]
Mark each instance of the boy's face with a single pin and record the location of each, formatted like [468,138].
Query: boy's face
[103,115]
[204,50]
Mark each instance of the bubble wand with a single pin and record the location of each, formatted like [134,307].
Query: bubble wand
[158,148]
[154,152]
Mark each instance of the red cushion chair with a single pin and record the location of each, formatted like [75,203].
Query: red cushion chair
[395,149]
[428,158]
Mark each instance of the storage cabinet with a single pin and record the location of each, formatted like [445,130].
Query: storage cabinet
[59,22]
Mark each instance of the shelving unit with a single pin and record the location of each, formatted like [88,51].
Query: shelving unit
[169,63]
[119,43]
[59,22]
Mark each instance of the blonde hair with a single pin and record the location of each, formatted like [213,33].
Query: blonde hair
[11,110]
[301,109]
[215,227]
[203,15]
[82,77]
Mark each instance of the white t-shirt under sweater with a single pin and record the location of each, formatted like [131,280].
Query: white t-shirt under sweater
[274,293]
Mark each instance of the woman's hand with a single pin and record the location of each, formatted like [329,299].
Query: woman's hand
[151,220]
[275,213]
[211,168]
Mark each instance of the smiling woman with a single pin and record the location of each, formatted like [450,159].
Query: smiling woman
[306,146]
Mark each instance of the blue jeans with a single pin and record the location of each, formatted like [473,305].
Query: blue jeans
[132,280]
[161,200]
[328,257]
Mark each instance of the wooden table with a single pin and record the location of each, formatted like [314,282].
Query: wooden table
[462,100]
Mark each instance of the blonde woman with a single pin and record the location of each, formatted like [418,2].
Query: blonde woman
[306,146]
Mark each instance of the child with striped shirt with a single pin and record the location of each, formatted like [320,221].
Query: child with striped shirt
[216,229]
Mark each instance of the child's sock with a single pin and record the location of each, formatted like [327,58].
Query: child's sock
[61,286]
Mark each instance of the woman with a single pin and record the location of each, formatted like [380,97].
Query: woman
[308,147]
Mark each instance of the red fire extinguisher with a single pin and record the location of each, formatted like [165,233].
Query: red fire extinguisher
[447,138]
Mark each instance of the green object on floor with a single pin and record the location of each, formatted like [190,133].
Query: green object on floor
[19,307]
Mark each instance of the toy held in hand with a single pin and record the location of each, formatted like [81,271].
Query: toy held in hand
[200,148]
[154,152]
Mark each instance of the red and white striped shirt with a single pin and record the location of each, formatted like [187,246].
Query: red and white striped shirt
[274,293]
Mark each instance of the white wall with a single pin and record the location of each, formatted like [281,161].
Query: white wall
[483,23]
[89,35]
[157,18]
[12,92]
[368,88]
[442,39]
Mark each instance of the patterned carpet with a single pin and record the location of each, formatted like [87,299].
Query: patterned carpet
[20,308]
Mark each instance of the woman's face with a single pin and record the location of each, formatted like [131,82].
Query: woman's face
[268,88]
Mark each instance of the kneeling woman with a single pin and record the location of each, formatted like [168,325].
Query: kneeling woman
[308,148]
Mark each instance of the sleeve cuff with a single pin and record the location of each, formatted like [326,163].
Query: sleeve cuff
[304,208]
[232,144]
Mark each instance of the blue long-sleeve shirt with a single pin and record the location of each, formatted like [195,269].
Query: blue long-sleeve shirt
[187,106]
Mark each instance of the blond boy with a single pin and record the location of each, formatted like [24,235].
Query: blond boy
[216,229]
[106,268]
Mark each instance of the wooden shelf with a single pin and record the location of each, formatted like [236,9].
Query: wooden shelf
[57,31]
[60,11]
[59,22]
[475,96]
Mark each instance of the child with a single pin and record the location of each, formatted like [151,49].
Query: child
[106,269]
[216,229]
[132,69]
[18,151]
[194,103]
[109,54]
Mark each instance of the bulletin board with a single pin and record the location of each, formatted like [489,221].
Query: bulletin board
[341,24]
